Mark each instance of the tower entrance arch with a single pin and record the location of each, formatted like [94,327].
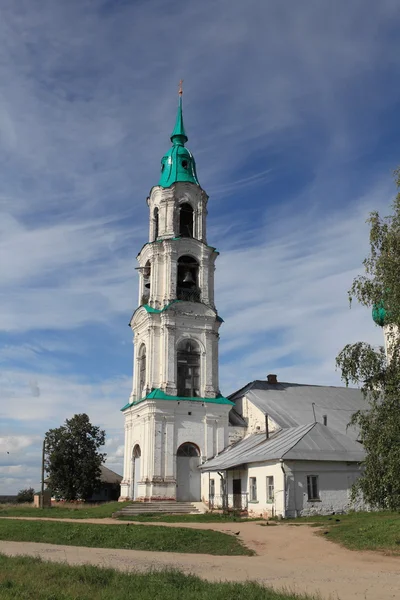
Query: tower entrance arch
[135,470]
[188,482]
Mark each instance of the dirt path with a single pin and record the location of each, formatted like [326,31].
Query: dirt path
[289,557]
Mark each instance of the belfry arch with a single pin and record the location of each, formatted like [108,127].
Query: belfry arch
[188,368]
[186,220]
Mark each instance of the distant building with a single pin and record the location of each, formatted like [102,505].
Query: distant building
[110,488]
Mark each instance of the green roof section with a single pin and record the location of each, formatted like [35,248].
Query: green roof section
[158,394]
[178,135]
[178,163]
[380,315]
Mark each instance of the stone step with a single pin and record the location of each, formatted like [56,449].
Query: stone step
[138,508]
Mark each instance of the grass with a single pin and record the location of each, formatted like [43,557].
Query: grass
[26,578]
[134,537]
[63,511]
[199,518]
[362,530]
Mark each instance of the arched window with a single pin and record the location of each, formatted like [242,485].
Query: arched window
[187,280]
[186,214]
[146,274]
[155,217]
[142,368]
[137,452]
[188,449]
[188,369]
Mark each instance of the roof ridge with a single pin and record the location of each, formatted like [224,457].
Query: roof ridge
[310,426]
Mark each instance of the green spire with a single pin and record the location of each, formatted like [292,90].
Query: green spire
[178,163]
[178,136]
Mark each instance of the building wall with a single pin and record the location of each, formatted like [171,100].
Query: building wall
[335,480]
[253,416]
[159,428]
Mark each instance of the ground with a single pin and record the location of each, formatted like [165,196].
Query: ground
[287,557]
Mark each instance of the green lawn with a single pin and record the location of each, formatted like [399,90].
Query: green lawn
[25,578]
[199,518]
[361,530]
[80,511]
[135,537]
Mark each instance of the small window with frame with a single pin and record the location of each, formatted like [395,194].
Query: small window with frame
[253,489]
[312,488]
[270,489]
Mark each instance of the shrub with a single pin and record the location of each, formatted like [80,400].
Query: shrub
[25,495]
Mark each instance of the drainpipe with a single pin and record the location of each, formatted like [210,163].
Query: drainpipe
[284,489]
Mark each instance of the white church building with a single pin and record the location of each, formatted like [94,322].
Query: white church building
[271,447]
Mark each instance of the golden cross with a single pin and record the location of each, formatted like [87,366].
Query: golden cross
[180,91]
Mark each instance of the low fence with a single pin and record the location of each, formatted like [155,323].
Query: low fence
[229,502]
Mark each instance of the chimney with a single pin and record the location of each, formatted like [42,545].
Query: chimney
[272,379]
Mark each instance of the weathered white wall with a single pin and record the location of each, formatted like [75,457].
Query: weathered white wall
[335,480]
[253,416]
[263,508]
[160,427]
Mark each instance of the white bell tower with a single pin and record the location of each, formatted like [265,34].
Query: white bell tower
[176,417]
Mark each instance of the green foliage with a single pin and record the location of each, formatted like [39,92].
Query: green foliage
[73,459]
[25,495]
[23,577]
[130,537]
[378,375]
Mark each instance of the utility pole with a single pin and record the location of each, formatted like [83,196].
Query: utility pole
[42,489]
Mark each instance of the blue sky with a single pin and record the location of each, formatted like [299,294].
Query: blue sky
[291,109]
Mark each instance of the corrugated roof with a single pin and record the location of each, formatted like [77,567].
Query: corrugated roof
[291,404]
[235,451]
[306,442]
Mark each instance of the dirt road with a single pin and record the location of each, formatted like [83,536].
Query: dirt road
[287,557]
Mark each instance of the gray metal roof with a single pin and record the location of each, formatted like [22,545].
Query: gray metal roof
[237,450]
[307,442]
[291,404]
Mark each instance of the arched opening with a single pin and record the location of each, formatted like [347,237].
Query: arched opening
[188,369]
[188,449]
[187,280]
[142,369]
[188,485]
[146,274]
[155,219]
[186,214]
[136,456]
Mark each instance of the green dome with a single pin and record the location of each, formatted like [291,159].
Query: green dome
[178,163]
[379,314]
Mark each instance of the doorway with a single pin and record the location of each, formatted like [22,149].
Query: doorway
[188,482]
[237,493]
[136,471]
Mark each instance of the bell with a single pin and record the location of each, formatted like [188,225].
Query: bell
[147,284]
[188,279]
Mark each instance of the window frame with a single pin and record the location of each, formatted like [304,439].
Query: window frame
[253,489]
[313,486]
[270,498]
